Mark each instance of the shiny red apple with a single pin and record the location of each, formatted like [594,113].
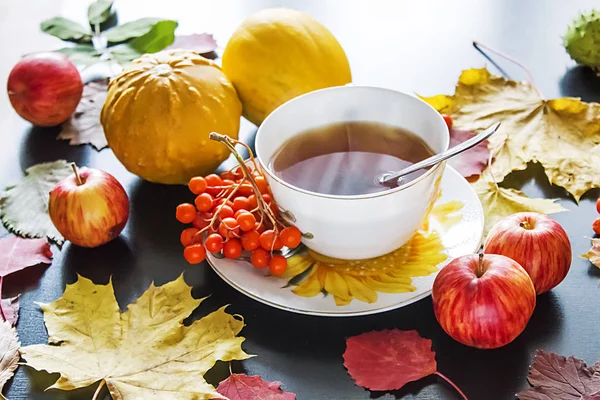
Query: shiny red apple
[89,208]
[483,301]
[537,242]
[45,88]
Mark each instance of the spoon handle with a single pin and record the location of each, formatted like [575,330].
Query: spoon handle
[451,152]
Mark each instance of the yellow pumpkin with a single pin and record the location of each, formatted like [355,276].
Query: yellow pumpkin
[278,54]
[160,111]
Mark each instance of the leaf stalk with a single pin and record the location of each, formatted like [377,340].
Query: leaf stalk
[99,389]
[451,384]
[4,319]
[512,60]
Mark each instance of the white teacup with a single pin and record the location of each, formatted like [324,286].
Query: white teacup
[362,226]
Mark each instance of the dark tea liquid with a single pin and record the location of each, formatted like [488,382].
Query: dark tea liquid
[345,158]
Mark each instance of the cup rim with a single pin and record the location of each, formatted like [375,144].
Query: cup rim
[400,188]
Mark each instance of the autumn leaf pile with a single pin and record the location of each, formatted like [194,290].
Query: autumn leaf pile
[563,135]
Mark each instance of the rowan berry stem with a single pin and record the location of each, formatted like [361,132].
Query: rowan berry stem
[230,144]
[216,214]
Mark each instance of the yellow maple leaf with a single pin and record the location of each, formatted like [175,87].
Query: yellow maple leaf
[594,253]
[498,202]
[144,353]
[562,134]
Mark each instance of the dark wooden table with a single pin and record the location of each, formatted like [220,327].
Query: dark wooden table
[416,46]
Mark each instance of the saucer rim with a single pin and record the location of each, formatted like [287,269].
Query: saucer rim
[210,259]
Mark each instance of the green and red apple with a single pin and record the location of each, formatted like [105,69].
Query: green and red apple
[537,242]
[89,208]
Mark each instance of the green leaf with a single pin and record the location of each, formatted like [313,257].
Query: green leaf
[161,36]
[130,30]
[66,29]
[124,53]
[81,54]
[99,11]
[24,206]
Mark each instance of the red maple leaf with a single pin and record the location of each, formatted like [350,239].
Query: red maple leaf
[473,161]
[555,377]
[389,359]
[17,253]
[244,387]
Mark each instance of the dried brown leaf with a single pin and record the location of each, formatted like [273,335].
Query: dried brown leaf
[9,352]
[84,126]
[555,377]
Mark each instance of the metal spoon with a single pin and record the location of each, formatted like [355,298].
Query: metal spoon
[396,177]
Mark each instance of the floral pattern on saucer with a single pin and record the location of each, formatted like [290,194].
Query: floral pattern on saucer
[312,273]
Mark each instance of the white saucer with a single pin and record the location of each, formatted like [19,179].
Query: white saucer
[462,238]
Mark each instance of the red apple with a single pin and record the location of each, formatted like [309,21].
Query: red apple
[483,301]
[537,242]
[45,88]
[89,208]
